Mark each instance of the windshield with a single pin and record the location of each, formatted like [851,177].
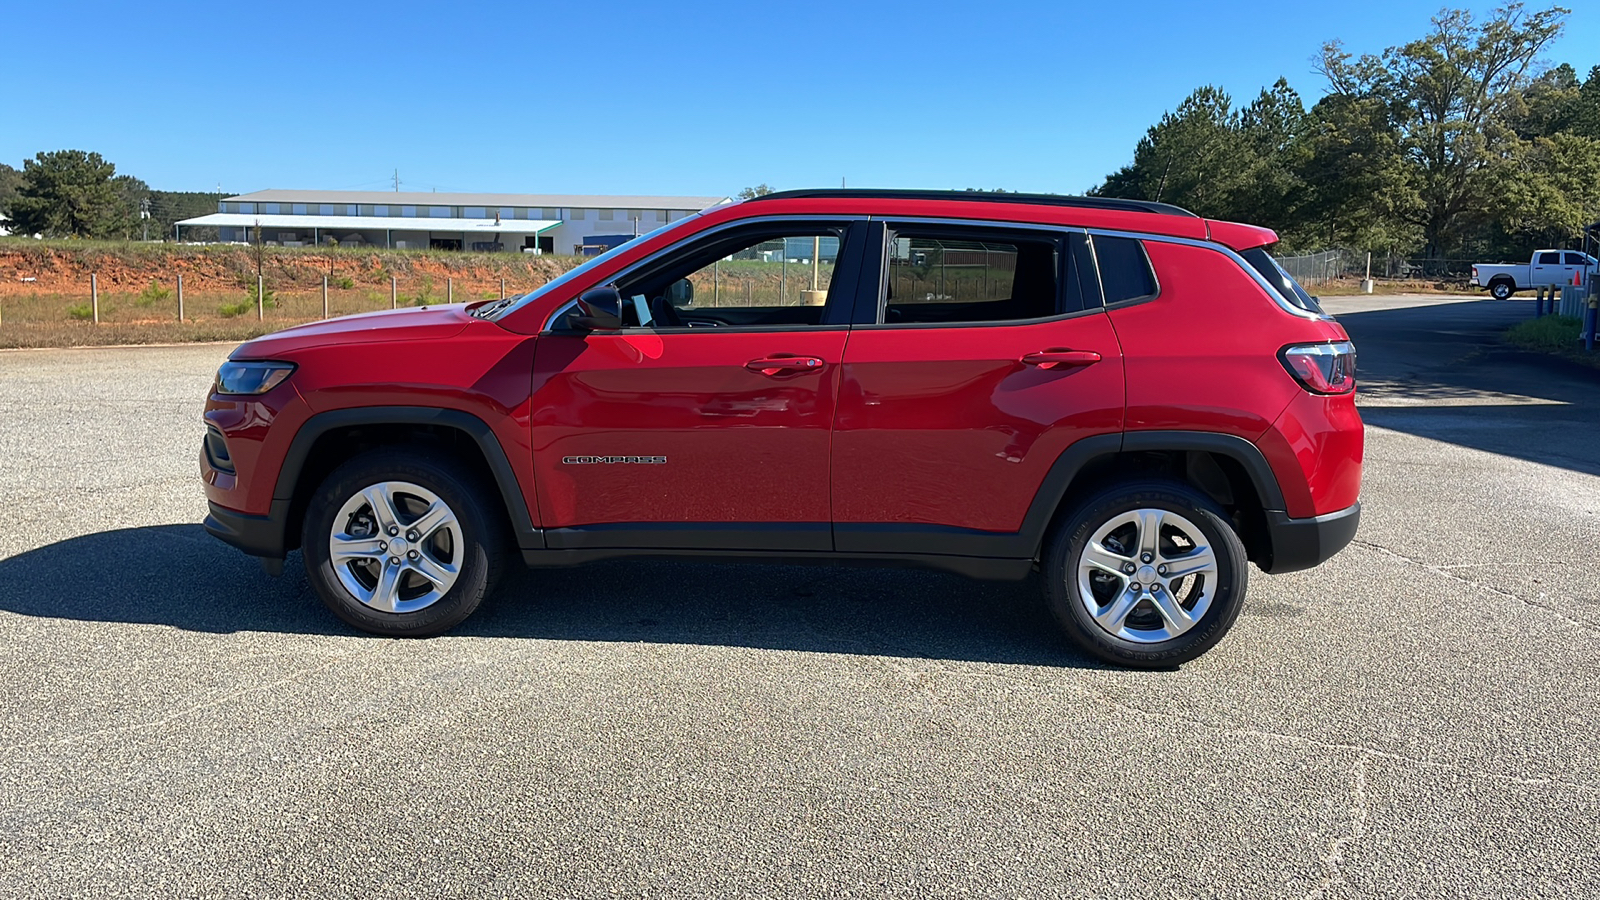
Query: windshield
[500,308]
[1281,281]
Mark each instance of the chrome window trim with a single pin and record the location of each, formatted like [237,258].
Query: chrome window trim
[849,218]
[1238,260]
[882,301]
[1229,252]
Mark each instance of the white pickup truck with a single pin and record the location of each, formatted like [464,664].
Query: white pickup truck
[1546,268]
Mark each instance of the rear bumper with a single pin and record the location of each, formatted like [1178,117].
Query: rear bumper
[1302,543]
[256,535]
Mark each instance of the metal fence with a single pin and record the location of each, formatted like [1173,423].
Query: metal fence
[1315,268]
[1332,265]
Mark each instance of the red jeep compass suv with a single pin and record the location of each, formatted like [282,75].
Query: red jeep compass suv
[1133,401]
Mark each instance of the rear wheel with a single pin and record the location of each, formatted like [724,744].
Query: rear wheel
[402,543]
[1502,289]
[1148,574]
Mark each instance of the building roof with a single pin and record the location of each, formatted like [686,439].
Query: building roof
[427,198]
[485,227]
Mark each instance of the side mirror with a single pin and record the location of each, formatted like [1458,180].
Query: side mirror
[599,309]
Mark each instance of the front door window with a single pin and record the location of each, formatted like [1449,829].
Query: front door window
[776,279]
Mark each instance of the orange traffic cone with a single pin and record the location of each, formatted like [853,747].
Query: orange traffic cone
[1577,278]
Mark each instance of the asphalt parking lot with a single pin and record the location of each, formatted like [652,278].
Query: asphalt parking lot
[1417,717]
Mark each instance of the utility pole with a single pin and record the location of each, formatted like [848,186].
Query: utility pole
[397,181]
[144,216]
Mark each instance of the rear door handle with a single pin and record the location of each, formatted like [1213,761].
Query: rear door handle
[777,365]
[1065,359]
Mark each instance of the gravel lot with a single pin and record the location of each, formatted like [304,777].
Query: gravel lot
[1415,718]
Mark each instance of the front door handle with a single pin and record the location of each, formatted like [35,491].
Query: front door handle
[1066,359]
[777,365]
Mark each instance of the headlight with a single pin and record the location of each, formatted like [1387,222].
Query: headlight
[251,377]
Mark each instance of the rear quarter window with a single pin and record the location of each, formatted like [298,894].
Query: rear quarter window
[1125,272]
[1282,282]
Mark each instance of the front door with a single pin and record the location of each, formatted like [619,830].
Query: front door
[704,421]
[989,355]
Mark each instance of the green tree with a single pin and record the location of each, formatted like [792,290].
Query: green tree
[167,207]
[1359,186]
[1549,104]
[750,193]
[68,193]
[1194,157]
[1586,109]
[1273,147]
[10,180]
[124,221]
[1451,96]
[1552,191]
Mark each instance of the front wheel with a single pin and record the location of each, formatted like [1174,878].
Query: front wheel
[1501,290]
[1148,574]
[402,543]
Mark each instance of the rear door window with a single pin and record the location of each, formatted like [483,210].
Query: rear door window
[939,274]
[1549,259]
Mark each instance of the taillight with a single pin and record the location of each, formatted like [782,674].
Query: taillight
[1322,368]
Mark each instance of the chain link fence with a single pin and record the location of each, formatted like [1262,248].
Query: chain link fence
[1333,265]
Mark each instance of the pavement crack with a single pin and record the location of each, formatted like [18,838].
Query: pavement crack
[214,701]
[1333,861]
[1364,751]
[1445,571]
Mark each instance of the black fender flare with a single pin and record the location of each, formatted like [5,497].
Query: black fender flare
[1059,480]
[505,478]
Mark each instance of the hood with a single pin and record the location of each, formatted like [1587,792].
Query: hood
[421,324]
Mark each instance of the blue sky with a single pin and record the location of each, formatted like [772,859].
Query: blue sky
[669,98]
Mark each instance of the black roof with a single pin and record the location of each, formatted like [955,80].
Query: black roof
[1146,206]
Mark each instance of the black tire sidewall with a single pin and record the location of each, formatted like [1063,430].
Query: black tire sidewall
[1061,585]
[480,537]
[1499,287]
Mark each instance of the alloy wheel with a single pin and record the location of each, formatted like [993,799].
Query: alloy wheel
[1147,575]
[396,547]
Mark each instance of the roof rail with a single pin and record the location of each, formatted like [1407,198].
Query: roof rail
[1116,203]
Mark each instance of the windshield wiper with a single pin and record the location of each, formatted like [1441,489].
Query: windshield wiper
[490,310]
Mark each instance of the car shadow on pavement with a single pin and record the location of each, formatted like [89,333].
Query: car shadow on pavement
[179,576]
[1443,372]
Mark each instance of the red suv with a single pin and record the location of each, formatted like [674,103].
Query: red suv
[1130,400]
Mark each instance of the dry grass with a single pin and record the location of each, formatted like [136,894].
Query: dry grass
[1351,287]
[65,320]
[45,296]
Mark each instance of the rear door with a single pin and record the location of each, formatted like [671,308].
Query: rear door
[702,423]
[981,354]
[1546,268]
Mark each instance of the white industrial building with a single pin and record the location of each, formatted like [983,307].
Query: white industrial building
[545,223]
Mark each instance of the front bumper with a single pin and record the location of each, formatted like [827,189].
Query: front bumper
[256,535]
[1302,543]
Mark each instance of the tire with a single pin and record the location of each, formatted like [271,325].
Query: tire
[438,578]
[1501,290]
[1207,601]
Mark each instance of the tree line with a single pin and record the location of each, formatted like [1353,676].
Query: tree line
[78,194]
[1461,144]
